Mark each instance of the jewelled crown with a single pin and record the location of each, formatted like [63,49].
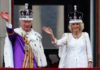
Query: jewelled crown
[26,13]
[75,17]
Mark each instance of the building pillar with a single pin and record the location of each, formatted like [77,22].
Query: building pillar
[36,23]
[60,21]
[5,5]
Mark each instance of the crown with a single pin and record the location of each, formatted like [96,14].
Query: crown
[75,17]
[26,14]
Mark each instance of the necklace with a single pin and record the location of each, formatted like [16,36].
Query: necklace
[77,36]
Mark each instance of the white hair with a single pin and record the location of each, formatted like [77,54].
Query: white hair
[81,26]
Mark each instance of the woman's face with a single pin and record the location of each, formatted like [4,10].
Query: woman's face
[26,25]
[75,27]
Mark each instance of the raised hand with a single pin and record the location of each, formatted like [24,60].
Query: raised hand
[5,16]
[48,30]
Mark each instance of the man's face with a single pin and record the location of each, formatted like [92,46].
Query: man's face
[26,25]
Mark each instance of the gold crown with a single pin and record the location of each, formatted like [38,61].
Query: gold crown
[76,14]
[26,14]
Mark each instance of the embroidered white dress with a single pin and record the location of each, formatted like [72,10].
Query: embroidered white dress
[74,53]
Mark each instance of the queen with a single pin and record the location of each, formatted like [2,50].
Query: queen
[75,49]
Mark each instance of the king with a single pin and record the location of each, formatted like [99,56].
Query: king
[23,47]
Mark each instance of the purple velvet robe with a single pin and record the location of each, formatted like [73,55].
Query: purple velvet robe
[18,49]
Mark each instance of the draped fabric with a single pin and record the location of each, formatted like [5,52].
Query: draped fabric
[15,53]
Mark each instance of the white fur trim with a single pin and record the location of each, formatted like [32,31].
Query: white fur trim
[26,19]
[8,54]
[76,21]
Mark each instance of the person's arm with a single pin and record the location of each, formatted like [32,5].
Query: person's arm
[60,42]
[11,34]
[54,41]
[89,51]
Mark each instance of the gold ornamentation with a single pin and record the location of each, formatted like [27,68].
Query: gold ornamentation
[28,58]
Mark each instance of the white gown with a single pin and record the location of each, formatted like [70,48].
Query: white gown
[74,53]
